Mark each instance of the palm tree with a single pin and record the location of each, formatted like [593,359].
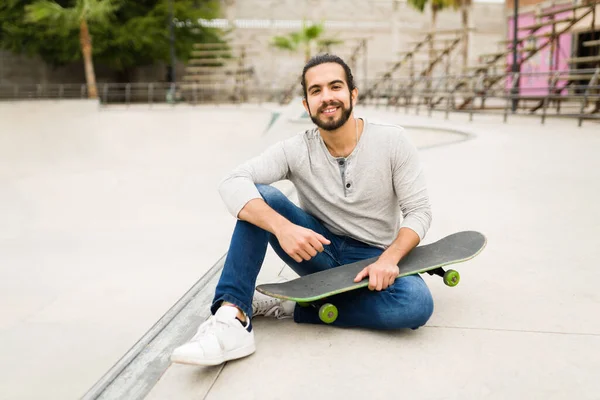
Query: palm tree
[304,39]
[84,11]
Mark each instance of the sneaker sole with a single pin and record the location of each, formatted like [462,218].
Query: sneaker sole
[232,355]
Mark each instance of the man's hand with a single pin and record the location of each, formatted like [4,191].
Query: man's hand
[300,243]
[382,273]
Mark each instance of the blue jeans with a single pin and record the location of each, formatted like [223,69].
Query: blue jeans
[405,304]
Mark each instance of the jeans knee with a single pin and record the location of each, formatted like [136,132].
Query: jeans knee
[423,309]
[414,304]
[272,196]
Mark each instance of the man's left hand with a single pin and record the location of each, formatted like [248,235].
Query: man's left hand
[382,273]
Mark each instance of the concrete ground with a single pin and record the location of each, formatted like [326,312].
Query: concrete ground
[108,216]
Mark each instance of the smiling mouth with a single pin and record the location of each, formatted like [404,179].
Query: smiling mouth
[329,110]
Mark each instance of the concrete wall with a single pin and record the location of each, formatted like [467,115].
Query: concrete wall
[25,70]
[389,25]
[22,69]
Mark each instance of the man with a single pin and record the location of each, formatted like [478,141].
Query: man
[362,194]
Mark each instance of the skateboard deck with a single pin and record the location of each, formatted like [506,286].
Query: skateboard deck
[430,258]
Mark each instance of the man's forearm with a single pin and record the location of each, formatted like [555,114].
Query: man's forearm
[406,240]
[259,213]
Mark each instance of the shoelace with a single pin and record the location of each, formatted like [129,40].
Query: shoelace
[277,312]
[270,307]
[213,324]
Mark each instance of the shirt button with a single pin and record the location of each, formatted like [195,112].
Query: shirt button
[348,185]
[341,162]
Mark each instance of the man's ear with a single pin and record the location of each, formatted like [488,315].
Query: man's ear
[305,104]
[354,96]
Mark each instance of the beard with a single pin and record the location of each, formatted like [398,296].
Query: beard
[330,123]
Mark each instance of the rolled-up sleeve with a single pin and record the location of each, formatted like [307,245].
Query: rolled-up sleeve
[239,187]
[411,188]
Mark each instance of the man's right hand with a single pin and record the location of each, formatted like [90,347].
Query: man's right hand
[300,243]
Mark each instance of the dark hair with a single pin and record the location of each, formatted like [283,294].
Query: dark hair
[327,58]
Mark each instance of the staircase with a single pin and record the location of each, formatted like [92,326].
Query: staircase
[219,68]
[421,60]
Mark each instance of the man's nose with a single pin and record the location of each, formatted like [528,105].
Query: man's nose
[327,96]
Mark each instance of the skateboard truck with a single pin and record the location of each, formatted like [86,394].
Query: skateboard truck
[451,277]
[328,313]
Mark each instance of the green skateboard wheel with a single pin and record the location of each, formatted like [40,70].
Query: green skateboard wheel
[451,277]
[328,313]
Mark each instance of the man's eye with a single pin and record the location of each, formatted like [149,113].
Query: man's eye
[315,92]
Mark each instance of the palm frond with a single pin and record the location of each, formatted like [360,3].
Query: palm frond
[284,43]
[313,31]
[45,11]
[297,37]
[443,4]
[459,3]
[436,4]
[99,10]
[418,4]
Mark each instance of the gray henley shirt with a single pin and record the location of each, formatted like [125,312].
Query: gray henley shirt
[369,195]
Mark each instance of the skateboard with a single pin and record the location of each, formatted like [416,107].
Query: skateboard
[310,289]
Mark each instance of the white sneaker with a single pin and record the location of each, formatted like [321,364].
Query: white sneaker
[271,307]
[221,338]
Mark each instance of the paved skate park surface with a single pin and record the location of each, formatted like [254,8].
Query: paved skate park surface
[108,216]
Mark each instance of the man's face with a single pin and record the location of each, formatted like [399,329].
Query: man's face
[328,100]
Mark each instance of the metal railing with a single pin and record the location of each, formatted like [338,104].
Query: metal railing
[148,93]
[567,94]
[42,91]
[554,94]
